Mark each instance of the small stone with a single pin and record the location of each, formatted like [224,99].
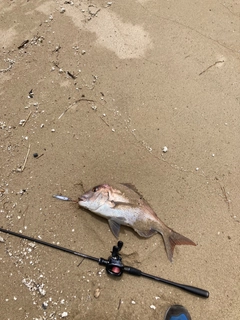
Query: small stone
[64,314]
[21,122]
[35,155]
[32,244]
[165,149]
[97,293]
[42,291]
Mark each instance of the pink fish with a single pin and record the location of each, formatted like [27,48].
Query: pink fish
[125,206]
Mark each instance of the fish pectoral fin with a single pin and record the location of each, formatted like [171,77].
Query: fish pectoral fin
[118,204]
[115,225]
[145,233]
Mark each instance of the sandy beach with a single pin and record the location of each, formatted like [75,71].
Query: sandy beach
[141,92]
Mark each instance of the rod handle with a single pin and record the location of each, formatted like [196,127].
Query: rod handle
[198,291]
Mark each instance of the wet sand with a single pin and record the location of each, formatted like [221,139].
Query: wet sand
[98,90]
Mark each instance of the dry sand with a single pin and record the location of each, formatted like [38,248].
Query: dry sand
[112,84]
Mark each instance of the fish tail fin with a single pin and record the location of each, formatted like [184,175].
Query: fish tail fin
[171,239]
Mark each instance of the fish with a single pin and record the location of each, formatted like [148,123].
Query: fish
[124,205]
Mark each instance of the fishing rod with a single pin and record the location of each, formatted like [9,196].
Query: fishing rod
[113,264]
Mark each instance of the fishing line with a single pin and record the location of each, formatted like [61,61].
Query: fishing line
[113,264]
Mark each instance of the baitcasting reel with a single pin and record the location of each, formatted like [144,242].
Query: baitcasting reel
[114,264]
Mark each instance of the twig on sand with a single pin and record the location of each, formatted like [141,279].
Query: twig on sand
[80,262]
[25,161]
[212,65]
[105,121]
[22,45]
[27,118]
[225,196]
[119,304]
[2,199]
[69,107]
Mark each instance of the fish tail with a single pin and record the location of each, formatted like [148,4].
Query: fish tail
[171,239]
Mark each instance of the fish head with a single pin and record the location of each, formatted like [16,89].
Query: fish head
[95,198]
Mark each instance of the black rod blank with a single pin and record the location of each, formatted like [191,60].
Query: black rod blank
[19,235]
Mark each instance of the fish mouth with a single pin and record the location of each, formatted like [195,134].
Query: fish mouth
[82,199]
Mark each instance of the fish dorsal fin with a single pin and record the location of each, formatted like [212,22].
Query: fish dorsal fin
[115,225]
[132,186]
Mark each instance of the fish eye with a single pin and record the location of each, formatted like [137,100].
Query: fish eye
[95,189]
